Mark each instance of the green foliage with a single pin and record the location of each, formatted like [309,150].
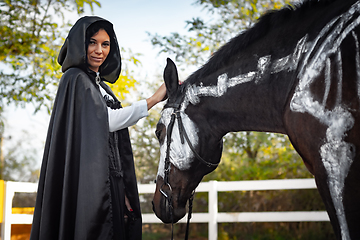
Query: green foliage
[20,161]
[81,3]
[145,144]
[30,39]
[258,156]
[126,80]
[276,231]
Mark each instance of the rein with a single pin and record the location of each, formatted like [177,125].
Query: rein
[183,136]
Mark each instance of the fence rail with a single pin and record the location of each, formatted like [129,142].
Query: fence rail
[213,217]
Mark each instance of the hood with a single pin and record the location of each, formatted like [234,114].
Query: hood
[73,52]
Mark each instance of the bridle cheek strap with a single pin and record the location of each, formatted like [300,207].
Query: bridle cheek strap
[183,135]
[168,142]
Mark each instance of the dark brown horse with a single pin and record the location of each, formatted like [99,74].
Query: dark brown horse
[296,72]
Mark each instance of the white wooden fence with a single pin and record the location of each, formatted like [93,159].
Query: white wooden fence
[8,217]
[213,217]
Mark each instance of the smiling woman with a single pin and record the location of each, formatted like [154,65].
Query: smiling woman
[98,49]
[87,186]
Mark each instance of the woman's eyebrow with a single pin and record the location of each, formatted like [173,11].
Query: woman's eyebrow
[93,39]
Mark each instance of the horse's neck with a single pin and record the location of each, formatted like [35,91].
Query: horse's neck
[250,95]
[238,103]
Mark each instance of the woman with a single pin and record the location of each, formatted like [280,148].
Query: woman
[87,187]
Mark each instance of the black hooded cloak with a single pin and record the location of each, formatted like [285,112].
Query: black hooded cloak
[86,170]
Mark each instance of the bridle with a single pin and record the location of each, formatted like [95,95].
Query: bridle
[183,136]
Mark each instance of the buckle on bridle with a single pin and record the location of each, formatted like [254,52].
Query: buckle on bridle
[163,192]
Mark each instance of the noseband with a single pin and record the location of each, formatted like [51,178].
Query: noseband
[183,136]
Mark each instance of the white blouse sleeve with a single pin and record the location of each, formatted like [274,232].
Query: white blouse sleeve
[125,117]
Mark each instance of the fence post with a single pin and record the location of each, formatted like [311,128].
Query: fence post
[6,224]
[213,210]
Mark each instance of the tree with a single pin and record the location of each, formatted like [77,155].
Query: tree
[21,161]
[230,17]
[30,38]
[126,80]
[258,156]
[30,33]
[144,142]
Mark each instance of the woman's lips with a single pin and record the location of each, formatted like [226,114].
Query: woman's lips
[96,59]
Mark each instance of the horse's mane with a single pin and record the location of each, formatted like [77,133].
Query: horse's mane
[222,57]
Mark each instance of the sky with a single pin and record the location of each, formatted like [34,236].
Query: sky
[132,20]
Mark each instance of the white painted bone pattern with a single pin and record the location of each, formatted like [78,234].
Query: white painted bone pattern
[337,155]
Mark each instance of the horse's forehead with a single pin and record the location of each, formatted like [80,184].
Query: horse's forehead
[181,155]
[166,116]
[190,126]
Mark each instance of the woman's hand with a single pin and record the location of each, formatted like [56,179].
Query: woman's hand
[127,204]
[159,95]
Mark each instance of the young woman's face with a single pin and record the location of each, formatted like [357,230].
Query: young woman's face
[98,49]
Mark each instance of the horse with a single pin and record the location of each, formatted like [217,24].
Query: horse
[295,72]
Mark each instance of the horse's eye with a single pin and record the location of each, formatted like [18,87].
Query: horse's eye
[158,133]
[160,129]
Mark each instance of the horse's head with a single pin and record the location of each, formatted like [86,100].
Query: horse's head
[188,150]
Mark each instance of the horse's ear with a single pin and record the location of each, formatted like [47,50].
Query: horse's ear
[171,78]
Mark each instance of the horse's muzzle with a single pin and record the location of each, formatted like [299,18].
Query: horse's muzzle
[166,212]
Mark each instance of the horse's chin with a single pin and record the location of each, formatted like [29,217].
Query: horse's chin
[166,213]
[177,215]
